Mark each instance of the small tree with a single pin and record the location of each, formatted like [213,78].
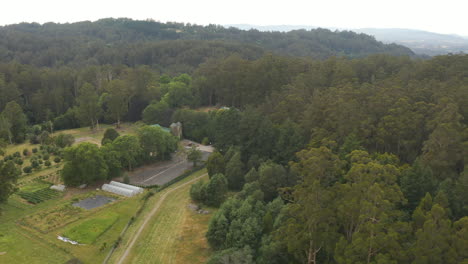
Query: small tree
[215,190]
[215,164]
[109,135]
[197,191]
[64,140]
[194,155]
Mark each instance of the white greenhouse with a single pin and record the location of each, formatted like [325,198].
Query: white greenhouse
[127,186]
[118,190]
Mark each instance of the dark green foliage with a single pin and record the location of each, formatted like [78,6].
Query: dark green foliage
[64,140]
[195,124]
[110,135]
[13,122]
[19,161]
[197,191]
[128,150]
[46,156]
[57,160]
[84,164]
[215,164]
[34,150]
[235,173]
[27,169]
[156,144]
[252,176]
[416,182]
[47,163]
[215,190]
[157,113]
[25,152]
[271,177]
[212,193]
[9,174]
[226,129]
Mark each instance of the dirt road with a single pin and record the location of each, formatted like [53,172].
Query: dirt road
[150,215]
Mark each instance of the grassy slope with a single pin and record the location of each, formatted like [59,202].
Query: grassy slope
[167,239]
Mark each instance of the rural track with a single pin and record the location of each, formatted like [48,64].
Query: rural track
[150,215]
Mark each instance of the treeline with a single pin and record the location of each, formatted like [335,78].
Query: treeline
[170,46]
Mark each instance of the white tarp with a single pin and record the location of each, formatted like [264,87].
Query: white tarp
[59,187]
[64,239]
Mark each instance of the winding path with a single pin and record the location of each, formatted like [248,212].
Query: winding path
[150,215]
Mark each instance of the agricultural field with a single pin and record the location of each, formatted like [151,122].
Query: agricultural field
[175,234]
[28,233]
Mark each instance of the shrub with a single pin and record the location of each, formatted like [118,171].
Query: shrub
[27,169]
[40,161]
[205,141]
[57,159]
[126,179]
[34,150]
[109,135]
[17,154]
[19,161]
[64,140]
[25,152]
[47,163]
[46,156]
[35,164]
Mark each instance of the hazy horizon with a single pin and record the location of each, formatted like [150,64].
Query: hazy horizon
[419,15]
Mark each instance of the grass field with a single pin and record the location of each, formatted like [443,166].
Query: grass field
[174,235]
[88,231]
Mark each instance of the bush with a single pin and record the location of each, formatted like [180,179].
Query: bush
[46,156]
[17,154]
[126,179]
[205,141]
[25,152]
[27,169]
[57,160]
[34,150]
[40,161]
[19,161]
[35,164]
[64,140]
[47,163]
[109,135]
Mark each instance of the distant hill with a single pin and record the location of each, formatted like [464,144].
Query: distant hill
[134,42]
[421,42]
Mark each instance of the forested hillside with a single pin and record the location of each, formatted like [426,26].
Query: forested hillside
[336,160]
[170,47]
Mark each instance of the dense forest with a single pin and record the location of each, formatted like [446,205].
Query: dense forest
[170,47]
[358,159]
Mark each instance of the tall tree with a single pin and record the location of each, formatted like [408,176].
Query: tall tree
[13,113]
[235,173]
[88,107]
[117,100]
[84,164]
[8,176]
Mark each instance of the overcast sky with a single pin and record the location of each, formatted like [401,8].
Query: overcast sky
[447,16]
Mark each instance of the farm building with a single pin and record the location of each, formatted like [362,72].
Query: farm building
[122,189]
